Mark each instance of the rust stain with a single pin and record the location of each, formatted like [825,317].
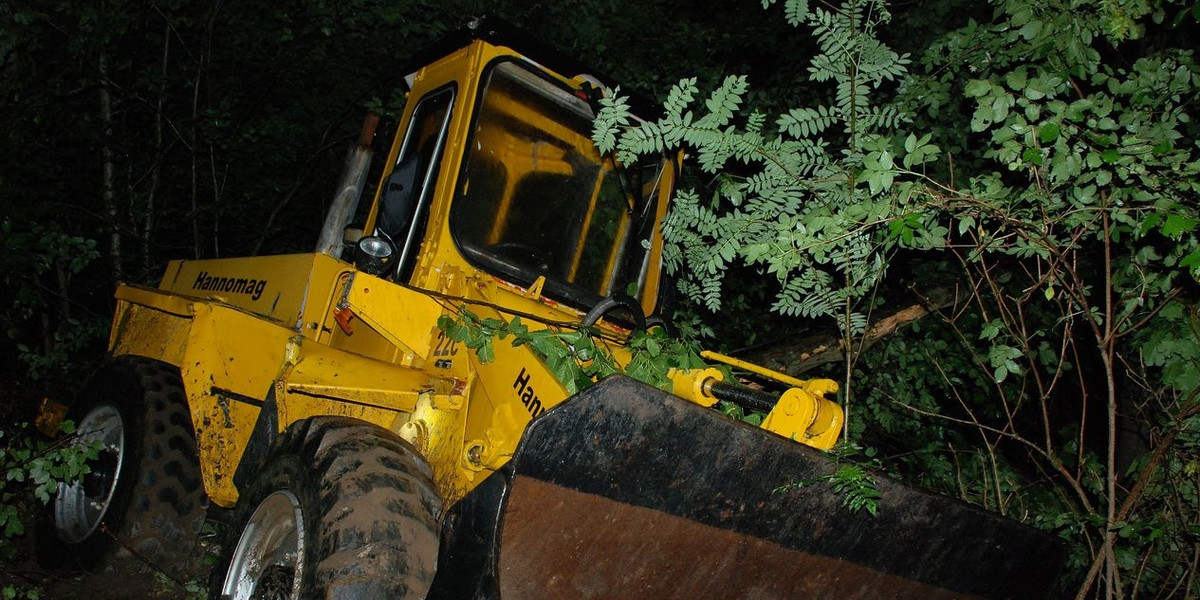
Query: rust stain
[559,543]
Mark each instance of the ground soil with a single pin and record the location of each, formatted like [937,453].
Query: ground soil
[61,585]
[139,582]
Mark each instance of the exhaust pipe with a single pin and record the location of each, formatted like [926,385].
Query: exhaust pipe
[345,202]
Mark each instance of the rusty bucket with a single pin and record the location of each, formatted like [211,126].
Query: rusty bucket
[625,491]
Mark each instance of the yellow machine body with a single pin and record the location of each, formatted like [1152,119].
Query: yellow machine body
[308,334]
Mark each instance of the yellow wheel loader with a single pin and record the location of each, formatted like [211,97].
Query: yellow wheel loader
[368,455]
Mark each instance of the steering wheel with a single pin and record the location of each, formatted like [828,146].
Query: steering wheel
[615,301]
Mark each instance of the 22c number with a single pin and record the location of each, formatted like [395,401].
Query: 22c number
[445,346]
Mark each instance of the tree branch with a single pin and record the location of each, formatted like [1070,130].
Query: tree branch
[795,356]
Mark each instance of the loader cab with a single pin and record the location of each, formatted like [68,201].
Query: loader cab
[535,199]
[493,171]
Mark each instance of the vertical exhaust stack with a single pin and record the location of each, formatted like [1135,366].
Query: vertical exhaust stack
[345,202]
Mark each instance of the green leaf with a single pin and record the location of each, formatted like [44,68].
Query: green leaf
[1000,374]
[796,11]
[1175,225]
[486,353]
[1048,133]
[991,329]
[977,87]
[1016,78]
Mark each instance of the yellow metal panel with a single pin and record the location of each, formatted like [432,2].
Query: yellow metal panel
[364,340]
[435,428]
[145,331]
[276,287]
[427,410]
[166,302]
[342,330]
[326,282]
[518,388]
[231,361]
[246,353]
[405,317]
[337,377]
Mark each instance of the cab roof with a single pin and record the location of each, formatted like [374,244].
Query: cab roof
[498,32]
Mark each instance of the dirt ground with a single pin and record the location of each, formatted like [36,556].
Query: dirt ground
[136,581]
[60,585]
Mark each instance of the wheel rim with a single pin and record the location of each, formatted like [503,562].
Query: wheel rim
[80,507]
[269,559]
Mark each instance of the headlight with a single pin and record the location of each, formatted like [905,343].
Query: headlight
[374,255]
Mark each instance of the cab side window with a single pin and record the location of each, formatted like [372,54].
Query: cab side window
[407,191]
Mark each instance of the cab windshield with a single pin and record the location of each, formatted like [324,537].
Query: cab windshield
[535,197]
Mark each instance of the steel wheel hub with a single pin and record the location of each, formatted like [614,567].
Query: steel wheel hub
[80,507]
[269,559]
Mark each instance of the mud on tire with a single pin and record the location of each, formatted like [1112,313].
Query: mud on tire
[144,489]
[341,509]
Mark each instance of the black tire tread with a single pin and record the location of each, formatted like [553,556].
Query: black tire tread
[371,500]
[160,505]
[168,504]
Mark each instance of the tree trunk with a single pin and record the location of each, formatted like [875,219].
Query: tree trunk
[795,356]
[106,153]
[156,168]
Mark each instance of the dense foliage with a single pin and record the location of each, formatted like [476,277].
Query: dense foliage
[31,470]
[1043,162]
[577,357]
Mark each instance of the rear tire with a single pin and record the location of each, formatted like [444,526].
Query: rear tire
[144,489]
[342,509]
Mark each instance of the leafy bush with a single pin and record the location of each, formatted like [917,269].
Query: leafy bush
[33,469]
[577,357]
[1051,165]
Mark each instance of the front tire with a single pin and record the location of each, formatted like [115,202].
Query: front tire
[144,489]
[341,509]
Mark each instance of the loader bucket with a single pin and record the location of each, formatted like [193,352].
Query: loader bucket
[625,491]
